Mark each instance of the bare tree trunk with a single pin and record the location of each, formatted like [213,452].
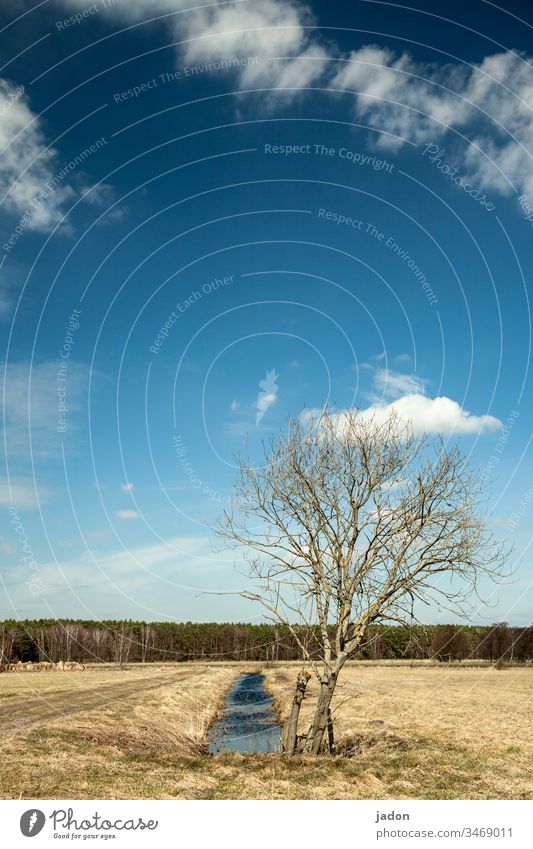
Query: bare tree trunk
[322,715]
[331,736]
[290,732]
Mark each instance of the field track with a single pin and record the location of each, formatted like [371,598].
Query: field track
[37,709]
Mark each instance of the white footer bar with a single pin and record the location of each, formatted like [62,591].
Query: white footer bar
[269,824]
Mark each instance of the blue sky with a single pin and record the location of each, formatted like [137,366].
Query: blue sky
[216,217]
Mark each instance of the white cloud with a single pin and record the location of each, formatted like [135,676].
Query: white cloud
[503,522]
[100,535]
[25,166]
[150,557]
[6,547]
[130,569]
[151,581]
[420,102]
[22,493]
[388,384]
[31,406]
[127,514]
[127,487]
[271,31]
[302,71]
[402,97]
[432,415]
[234,406]
[424,415]
[263,29]
[404,395]
[393,384]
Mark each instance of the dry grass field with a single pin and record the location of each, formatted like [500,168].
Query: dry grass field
[415,732]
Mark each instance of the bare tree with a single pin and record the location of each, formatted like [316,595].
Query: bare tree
[351,521]
[40,641]
[7,639]
[70,638]
[100,641]
[147,640]
[123,640]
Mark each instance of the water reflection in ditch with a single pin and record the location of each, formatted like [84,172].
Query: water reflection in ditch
[248,723]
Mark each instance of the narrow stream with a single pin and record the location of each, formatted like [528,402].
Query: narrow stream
[248,723]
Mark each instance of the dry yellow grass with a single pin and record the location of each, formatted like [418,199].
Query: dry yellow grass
[140,733]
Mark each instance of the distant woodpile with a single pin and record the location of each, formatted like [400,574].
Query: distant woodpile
[44,666]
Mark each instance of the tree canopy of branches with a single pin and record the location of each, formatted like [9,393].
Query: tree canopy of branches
[351,521]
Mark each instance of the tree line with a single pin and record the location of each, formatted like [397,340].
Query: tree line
[128,641]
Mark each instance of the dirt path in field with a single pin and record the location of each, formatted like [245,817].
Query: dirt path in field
[39,710]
